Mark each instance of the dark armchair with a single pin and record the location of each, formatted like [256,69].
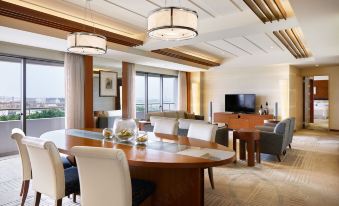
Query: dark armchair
[275,142]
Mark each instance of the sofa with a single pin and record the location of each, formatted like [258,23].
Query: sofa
[105,119]
[274,140]
[174,114]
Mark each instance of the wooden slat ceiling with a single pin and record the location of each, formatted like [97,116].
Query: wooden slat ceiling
[267,10]
[186,57]
[292,41]
[37,17]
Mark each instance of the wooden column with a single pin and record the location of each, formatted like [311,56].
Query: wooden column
[188,82]
[125,90]
[88,92]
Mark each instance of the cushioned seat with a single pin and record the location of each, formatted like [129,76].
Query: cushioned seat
[65,162]
[141,190]
[71,181]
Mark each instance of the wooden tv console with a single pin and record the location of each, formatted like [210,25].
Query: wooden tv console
[238,121]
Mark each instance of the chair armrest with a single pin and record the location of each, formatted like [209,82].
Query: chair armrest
[270,124]
[265,128]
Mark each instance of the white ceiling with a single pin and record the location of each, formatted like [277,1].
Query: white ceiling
[228,31]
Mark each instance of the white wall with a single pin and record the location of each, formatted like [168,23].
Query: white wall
[269,83]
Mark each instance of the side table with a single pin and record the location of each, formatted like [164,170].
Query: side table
[249,138]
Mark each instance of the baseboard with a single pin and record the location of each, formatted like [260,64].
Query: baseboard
[8,153]
[334,130]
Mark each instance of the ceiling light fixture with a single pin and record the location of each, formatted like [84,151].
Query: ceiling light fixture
[85,42]
[173,23]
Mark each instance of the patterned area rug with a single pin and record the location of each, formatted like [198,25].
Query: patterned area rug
[307,175]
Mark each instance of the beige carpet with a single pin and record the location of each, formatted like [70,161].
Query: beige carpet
[308,175]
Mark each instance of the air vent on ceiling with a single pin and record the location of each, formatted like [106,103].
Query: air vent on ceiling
[290,38]
[267,10]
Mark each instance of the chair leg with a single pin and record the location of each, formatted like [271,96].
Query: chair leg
[22,187]
[278,156]
[74,198]
[24,191]
[37,198]
[58,202]
[210,175]
[289,145]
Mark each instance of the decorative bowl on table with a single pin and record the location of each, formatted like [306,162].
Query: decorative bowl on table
[142,139]
[107,133]
[125,129]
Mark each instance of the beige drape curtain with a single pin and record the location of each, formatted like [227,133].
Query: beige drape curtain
[74,90]
[182,91]
[130,89]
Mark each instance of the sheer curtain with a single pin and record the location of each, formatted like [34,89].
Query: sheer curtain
[129,71]
[74,86]
[182,91]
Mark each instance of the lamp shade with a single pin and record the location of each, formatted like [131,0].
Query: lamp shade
[86,43]
[173,23]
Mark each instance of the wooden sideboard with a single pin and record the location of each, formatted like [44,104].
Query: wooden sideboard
[238,121]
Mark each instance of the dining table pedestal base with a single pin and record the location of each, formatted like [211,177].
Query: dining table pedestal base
[177,186]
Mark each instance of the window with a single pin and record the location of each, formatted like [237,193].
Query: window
[31,91]
[155,93]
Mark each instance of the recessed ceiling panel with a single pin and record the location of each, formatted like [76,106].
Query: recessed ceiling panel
[246,45]
[265,42]
[229,47]
[210,48]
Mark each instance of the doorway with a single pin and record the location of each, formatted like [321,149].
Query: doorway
[316,103]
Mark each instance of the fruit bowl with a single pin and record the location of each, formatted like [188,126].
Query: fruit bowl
[125,135]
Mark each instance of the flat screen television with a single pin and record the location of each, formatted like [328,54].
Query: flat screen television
[240,103]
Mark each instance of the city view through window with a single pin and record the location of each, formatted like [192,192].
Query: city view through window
[162,93]
[45,93]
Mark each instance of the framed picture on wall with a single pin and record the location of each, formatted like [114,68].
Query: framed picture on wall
[108,84]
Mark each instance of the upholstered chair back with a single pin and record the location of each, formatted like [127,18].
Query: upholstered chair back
[48,172]
[18,135]
[283,128]
[104,176]
[292,119]
[202,131]
[166,126]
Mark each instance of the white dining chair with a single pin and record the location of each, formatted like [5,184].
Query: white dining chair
[166,126]
[18,135]
[108,168]
[205,132]
[49,176]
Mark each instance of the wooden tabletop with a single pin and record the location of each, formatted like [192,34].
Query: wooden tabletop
[141,156]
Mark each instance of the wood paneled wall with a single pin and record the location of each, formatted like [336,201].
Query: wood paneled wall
[321,92]
[88,89]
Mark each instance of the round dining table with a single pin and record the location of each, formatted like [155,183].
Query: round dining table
[174,163]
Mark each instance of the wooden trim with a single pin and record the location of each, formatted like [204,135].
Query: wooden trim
[282,40]
[289,42]
[334,130]
[125,89]
[281,8]
[295,41]
[290,39]
[311,101]
[264,10]
[188,82]
[267,10]
[187,57]
[256,10]
[274,11]
[41,18]
[88,92]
